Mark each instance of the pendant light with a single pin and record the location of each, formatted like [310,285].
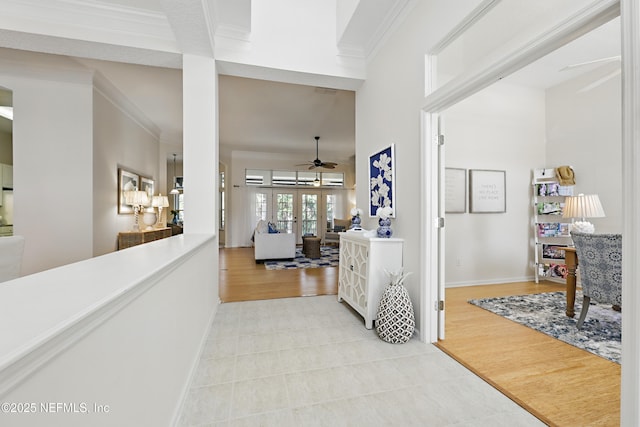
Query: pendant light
[174,190]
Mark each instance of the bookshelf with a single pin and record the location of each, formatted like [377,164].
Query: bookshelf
[551,231]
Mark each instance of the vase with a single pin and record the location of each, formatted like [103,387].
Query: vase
[149,219]
[395,321]
[384,229]
[355,222]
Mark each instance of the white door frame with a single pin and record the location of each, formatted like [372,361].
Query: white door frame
[630,376]
[466,85]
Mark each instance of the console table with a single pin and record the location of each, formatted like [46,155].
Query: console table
[126,239]
[361,272]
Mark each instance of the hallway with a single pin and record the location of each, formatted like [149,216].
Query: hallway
[311,362]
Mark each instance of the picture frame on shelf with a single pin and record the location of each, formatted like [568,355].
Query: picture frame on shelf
[455,190]
[487,191]
[382,166]
[127,181]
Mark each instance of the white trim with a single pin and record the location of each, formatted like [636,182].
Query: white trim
[107,89]
[146,266]
[469,83]
[630,374]
[429,231]
[481,10]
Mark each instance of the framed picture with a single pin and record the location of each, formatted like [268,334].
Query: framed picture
[127,181]
[455,190]
[382,166]
[487,191]
[146,184]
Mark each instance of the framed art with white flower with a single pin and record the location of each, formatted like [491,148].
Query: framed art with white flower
[382,166]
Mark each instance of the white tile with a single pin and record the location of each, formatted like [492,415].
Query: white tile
[207,404]
[310,361]
[259,395]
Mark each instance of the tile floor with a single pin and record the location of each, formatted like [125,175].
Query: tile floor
[310,362]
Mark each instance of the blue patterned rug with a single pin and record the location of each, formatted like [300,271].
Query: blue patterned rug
[329,257]
[601,332]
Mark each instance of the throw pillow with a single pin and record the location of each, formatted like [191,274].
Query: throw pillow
[272,228]
[262,227]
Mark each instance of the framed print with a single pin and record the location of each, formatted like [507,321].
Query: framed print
[487,191]
[127,181]
[382,166]
[455,190]
[146,184]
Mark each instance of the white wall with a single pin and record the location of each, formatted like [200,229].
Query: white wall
[388,111]
[118,141]
[53,158]
[68,141]
[500,128]
[125,333]
[584,129]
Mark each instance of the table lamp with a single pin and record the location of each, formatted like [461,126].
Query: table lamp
[137,199]
[160,202]
[583,206]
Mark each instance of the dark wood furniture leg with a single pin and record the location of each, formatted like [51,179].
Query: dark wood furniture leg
[571,259]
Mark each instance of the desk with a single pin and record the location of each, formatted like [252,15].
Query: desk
[571,260]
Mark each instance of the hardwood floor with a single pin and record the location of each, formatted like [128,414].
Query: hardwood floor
[241,279]
[560,384]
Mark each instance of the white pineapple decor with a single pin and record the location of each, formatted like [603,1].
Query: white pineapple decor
[395,322]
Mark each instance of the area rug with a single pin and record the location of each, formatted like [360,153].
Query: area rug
[329,257]
[601,332]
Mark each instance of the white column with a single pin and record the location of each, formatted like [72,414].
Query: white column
[630,397]
[200,144]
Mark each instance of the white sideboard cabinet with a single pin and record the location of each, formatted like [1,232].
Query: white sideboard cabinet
[362,277]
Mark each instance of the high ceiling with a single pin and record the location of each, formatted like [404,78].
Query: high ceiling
[255,114]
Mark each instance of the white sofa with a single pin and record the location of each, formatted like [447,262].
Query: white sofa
[274,246]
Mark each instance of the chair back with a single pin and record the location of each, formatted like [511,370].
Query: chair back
[600,266]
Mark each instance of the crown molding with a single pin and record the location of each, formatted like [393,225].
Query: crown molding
[90,20]
[120,101]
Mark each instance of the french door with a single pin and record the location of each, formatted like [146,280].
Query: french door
[300,211]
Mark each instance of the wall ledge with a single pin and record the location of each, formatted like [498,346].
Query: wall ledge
[43,314]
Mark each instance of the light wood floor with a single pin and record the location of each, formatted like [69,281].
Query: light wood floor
[560,384]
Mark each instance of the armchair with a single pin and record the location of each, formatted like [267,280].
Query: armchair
[600,264]
[339,225]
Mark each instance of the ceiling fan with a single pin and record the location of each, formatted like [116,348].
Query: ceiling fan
[617,71]
[317,163]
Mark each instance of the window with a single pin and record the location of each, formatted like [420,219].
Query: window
[309,214]
[331,210]
[269,178]
[261,206]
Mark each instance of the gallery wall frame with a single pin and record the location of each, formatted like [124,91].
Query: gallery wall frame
[487,191]
[455,190]
[147,185]
[382,180]
[127,181]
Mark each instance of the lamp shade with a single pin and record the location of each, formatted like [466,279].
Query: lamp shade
[583,206]
[136,198]
[160,201]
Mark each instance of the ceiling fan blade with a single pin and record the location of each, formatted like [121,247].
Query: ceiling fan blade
[329,165]
[312,167]
[600,81]
[595,61]
[304,164]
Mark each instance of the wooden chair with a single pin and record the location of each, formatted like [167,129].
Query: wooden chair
[600,264]
[11,250]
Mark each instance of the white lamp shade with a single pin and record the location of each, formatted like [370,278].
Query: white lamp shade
[583,206]
[136,198]
[160,201]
